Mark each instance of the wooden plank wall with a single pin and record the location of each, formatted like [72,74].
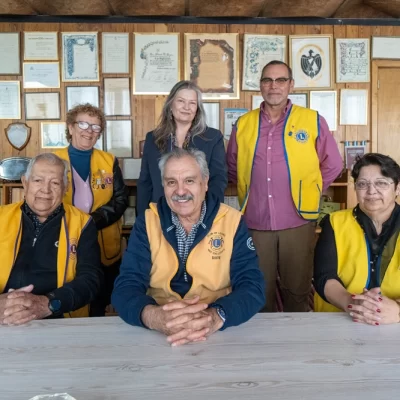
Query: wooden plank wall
[146,109]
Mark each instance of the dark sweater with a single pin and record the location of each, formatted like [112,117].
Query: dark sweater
[149,188]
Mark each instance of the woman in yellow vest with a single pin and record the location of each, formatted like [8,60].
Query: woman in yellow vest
[357,258]
[97,188]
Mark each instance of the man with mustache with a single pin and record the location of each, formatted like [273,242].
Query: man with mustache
[190,268]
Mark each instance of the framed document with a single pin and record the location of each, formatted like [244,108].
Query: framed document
[300,99]
[10,105]
[131,168]
[41,75]
[256,101]
[352,60]
[155,62]
[311,61]
[325,103]
[18,135]
[212,63]
[386,47]
[53,135]
[117,96]
[212,114]
[231,115]
[353,107]
[81,95]
[40,46]
[119,138]
[80,57]
[258,51]
[115,53]
[9,49]
[42,105]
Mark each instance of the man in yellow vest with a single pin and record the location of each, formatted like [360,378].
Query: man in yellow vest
[190,268]
[282,157]
[50,263]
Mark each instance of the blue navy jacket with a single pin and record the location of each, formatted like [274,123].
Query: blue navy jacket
[149,186]
[129,296]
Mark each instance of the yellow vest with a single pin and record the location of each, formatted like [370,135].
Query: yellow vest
[354,262]
[10,239]
[208,262]
[299,136]
[101,182]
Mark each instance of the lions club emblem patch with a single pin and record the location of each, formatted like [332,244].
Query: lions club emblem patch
[216,244]
[301,136]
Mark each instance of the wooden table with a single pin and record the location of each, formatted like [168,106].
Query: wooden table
[274,356]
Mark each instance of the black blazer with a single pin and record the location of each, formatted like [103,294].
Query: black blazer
[149,187]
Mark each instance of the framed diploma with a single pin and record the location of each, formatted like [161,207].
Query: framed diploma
[212,114]
[256,101]
[117,96]
[41,75]
[40,46]
[300,99]
[325,103]
[10,105]
[81,95]
[155,62]
[53,135]
[352,60]
[80,57]
[115,53]
[119,138]
[386,47]
[311,61]
[258,51]
[9,45]
[231,115]
[42,105]
[212,63]
[353,107]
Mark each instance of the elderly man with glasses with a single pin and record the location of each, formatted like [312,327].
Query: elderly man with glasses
[282,157]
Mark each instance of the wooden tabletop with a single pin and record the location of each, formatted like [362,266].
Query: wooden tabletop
[273,356]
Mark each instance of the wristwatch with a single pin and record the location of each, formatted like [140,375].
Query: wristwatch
[54,304]
[221,313]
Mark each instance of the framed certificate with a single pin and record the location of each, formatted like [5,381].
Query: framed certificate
[352,60]
[117,96]
[300,99]
[10,105]
[115,53]
[42,106]
[155,62]
[256,101]
[40,46]
[353,107]
[80,57]
[212,63]
[119,138]
[386,47]
[325,103]
[81,95]
[41,75]
[311,61]
[212,114]
[231,115]
[9,49]
[258,51]
[53,135]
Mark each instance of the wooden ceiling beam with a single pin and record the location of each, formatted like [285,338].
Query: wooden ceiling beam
[16,7]
[357,9]
[73,7]
[391,7]
[148,7]
[225,8]
[300,8]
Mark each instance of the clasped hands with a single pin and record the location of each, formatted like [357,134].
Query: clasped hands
[20,306]
[371,307]
[182,321]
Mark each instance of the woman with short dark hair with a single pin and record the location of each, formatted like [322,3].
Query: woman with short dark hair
[358,252]
[182,124]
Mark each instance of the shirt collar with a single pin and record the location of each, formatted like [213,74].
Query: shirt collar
[285,111]
[34,218]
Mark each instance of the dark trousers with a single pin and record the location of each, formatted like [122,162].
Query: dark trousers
[291,252]
[99,304]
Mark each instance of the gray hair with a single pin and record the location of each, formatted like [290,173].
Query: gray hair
[50,158]
[179,153]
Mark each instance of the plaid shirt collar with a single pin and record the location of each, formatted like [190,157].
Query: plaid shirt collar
[178,225]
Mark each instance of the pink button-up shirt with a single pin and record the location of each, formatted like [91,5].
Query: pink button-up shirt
[270,206]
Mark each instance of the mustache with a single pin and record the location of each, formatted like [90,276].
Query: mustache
[176,197]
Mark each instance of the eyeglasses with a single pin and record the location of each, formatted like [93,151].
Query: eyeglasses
[278,81]
[380,184]
[85,126]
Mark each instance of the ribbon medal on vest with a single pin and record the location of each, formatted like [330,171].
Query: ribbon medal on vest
[216,244]
[101,180]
